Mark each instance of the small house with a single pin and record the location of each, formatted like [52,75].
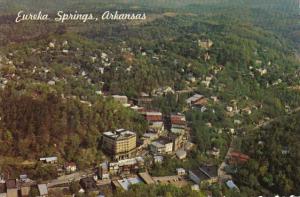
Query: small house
[194,99]
[236,157]
[121,99]
[70,167]
[195,187]
[49,160]
[180,171]
[231,185]
[207,173]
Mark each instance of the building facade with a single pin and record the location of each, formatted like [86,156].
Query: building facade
[126,166]
[161,146]
[103,171]
[120,144]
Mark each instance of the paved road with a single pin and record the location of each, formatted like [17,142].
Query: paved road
[189,90]
[274,119]
[69,178]
[221,171]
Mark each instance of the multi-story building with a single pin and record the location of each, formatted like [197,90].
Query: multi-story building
[155,120]
[178,124]
[126,166]
[120,144]
[161,146]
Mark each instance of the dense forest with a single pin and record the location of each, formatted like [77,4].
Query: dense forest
[42,122]
[275,157]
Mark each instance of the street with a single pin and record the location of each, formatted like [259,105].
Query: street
[69,178]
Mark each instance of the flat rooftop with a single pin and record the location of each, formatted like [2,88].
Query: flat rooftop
[127,162]
[119,134]
[146,178]
[153,113]
[126,182]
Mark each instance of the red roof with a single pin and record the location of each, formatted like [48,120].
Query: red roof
[140,110]
[71,164]
[238,157]
[202,101]
[11,184]
[178,119]
[153,118]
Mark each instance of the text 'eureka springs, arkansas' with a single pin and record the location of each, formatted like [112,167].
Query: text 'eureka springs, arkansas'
[62,17]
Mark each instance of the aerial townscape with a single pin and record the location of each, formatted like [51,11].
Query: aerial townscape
[198,98]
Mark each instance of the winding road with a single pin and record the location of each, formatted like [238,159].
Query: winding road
[221,172]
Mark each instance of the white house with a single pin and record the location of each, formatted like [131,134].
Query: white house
[180,171]
[50,160]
